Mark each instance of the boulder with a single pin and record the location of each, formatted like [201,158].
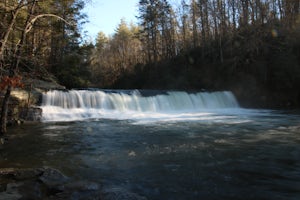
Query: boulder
[44,183]
[52,178]
[33,114]
[50,184]
[24,102]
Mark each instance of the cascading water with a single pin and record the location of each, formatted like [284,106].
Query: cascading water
[86,104]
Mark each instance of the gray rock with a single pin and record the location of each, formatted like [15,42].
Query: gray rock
[75,195]
[33,114]
[23,102]
[20,174]
[120,194]
[53,177]
[82,186]
[50,184]
[10,196]
[12,192]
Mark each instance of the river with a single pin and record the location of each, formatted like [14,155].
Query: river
[223,153]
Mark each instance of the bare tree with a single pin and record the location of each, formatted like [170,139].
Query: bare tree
[30,20]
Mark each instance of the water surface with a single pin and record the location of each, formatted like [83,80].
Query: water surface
[222,154]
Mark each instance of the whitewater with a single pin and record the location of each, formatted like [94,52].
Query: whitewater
[135,105]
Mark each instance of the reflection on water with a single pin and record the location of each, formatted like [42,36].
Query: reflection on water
[240,155]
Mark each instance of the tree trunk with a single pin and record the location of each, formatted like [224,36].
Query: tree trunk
[13,67]
[194,24]
[4,111]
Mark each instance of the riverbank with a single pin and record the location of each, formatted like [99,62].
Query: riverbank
[24,102]
[50,184]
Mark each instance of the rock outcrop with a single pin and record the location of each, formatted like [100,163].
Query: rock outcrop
[50,184]
[24,103]
[44,183]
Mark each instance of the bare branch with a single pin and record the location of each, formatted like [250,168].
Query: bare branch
[33,20]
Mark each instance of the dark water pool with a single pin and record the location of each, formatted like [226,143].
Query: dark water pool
[249,155]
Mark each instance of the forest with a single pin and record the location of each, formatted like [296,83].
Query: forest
[251,47]
[189,135]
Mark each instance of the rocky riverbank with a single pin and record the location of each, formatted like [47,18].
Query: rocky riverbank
[50,184]
[24,102]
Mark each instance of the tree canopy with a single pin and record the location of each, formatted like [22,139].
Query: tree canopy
[36,37]
[54,32]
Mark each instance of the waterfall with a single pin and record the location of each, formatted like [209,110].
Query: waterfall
[84,104]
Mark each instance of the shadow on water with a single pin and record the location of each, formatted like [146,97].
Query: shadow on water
[247,155]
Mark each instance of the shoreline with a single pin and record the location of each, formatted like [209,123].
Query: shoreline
[51,184]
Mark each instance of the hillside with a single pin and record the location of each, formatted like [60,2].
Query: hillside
[260,64]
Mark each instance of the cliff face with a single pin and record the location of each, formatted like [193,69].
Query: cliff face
[24,103]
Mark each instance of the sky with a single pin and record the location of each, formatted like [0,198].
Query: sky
[106,15]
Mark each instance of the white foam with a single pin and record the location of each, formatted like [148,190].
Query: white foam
[177,106]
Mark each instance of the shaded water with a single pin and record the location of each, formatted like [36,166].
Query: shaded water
[217,154]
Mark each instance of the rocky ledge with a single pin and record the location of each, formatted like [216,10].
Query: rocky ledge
[24,103]
[50,184]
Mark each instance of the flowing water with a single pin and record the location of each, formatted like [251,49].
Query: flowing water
[164,145]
